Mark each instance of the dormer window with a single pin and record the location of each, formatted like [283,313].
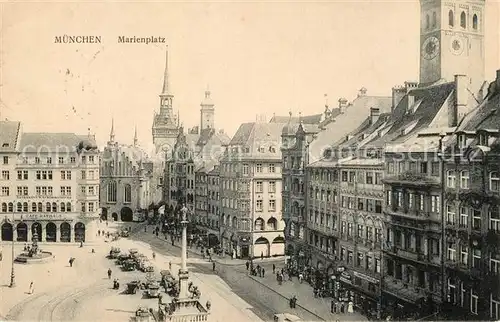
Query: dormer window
[327,154]
[483,139]
[462,141]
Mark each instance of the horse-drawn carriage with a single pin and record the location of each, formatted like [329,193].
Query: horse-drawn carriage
[132,287]
[114,252]
[153,289]
[128,265]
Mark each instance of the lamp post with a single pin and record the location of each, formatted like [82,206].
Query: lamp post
[12,272]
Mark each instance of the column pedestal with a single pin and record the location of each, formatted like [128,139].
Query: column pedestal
[183,284]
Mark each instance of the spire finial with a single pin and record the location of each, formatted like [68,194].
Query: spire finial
[290,114]
[166,85]
[300,117]
[135,136]
[112,132]
[326,100]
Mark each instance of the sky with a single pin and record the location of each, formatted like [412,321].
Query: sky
[257,59]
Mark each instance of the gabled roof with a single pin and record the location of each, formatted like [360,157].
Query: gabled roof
[9,135]
[307,119]
[258,140]
[347,122]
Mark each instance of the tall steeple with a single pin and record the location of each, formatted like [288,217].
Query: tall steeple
[166,97]
[112,132]
[166,87]
[135,136]
[207,112]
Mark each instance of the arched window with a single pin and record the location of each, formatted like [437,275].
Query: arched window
[128,193]
[494,181]
[259,224]
[19,207]
[33,207]
[11,207]
[25,206]
[47,207]
[427,22]
[474,22]
[40,207]
[68,206]
[4,207]
[434,19]
[63,207]
[451,18]
[463,20]
[111,191]
[54,207]
[494,219]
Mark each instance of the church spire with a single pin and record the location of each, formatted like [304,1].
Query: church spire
[166,84]
[135,136]
[112,132]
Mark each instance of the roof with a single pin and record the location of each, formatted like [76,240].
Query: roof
[308,119]
[134,154]
[347,122]
[9,135]
[259,140]
[53,141]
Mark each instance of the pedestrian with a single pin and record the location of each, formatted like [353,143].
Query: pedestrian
[350,307]
[247,264]
[274,268]
[263,271]
[109,273]
[333,307]
[154,255]
[99,232]
[261,255]
[213,266]
[106,223]
[32,288]
[71,262]
[170,266]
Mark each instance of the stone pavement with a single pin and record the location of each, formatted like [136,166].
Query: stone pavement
[304,293]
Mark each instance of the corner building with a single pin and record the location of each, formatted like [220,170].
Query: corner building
[50,185]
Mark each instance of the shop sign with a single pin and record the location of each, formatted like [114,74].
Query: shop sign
[39,216]
[366,277]
[345,277]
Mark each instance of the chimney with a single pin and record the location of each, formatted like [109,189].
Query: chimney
[459,109]
[342,104]
[362,92]
[398,92]
[411,102]
[374,114]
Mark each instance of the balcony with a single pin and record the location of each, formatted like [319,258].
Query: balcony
[413,179]
[409,214]
[406,290]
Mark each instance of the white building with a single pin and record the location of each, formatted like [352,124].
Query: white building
[49,185]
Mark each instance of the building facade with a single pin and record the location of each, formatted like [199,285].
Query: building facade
[125,178]
[250,177]
[471,214]
[50,185]
[208,202]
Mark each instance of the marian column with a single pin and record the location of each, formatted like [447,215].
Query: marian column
[183,272]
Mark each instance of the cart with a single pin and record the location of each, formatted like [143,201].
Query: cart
[129,265]
[153,289]
[132,287]
[114,252]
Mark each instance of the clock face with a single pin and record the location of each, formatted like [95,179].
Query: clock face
[430,48]
[456,46]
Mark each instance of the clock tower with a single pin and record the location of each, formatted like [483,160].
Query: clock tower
[452,41]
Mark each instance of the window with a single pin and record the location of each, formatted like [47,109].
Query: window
[450,214]
[461,140]
[128,193]
[49,160]
[352,176]
[427,22]
[5,160]
[476,258]
[272,168]
[369,177]
[258,205]
[5,175]
[111,192]
[258,187]
[464,180]
[494,266]
[258,168]
[272,186]
[272,205]
[377,265]
[464,217]
[91,191]
[476,219]
[494,181]
[378,206]
[82,206]
[435,204]
[464,255]
[349,229]
[84,175]
[450,178]
[378,178]
[451,252]
[344,176]
[5,191]
[37,160]
[72,160]
[435,168]
[360,259]
[494,218]
[60,160]
[451,18]
[473,303]
[91,159]
[494,309]
[463,20]
[360,231]
[91,205]
[474,22]
[434,19]
[22,175]
[246,169]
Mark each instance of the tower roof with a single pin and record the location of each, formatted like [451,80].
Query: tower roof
[207,101]
[166,84]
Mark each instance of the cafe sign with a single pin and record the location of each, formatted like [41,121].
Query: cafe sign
[345,277]
[366,277]
[38,216]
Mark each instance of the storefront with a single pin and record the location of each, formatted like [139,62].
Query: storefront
[361,289]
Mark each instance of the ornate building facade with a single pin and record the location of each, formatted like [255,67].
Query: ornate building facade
[126,173]
[49,186]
